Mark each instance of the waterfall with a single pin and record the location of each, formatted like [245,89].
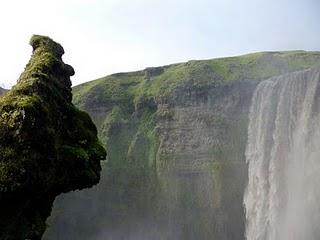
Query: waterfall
[282,199]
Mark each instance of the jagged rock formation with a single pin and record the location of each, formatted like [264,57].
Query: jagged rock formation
[176,138]
[47,146]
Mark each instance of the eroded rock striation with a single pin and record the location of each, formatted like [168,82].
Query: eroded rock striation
[47,146]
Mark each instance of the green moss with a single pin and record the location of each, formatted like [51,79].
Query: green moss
[76,153]
[47,145]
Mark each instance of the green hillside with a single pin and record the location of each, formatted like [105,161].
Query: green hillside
[161,81]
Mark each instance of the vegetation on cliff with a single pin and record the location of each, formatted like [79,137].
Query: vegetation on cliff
[47,146]
[163,81]
[137,114]
[126,107]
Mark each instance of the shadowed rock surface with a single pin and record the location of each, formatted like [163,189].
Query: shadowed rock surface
[47,146]
[2,91]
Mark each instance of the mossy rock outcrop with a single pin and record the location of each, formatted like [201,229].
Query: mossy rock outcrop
[47,146]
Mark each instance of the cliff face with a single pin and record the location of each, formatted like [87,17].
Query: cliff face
[176,138]
[201,160]
[2,91]
[47,146]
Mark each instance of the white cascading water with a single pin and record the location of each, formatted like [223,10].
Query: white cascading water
[282,199]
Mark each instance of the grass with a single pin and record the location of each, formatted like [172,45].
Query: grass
[202,73]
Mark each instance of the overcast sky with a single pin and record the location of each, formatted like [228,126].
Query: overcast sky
[101,37]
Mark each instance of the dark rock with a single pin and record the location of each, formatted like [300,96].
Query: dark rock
[153,72]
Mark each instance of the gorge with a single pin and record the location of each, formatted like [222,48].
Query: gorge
[176,138]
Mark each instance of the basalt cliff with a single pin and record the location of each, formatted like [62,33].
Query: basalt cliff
[47,145]
[176,138]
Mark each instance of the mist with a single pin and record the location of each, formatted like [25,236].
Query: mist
[282,197]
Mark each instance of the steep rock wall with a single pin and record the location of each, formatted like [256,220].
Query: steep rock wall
[176,139]
[201,162]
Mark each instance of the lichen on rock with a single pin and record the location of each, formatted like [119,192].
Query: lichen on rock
[47,146]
